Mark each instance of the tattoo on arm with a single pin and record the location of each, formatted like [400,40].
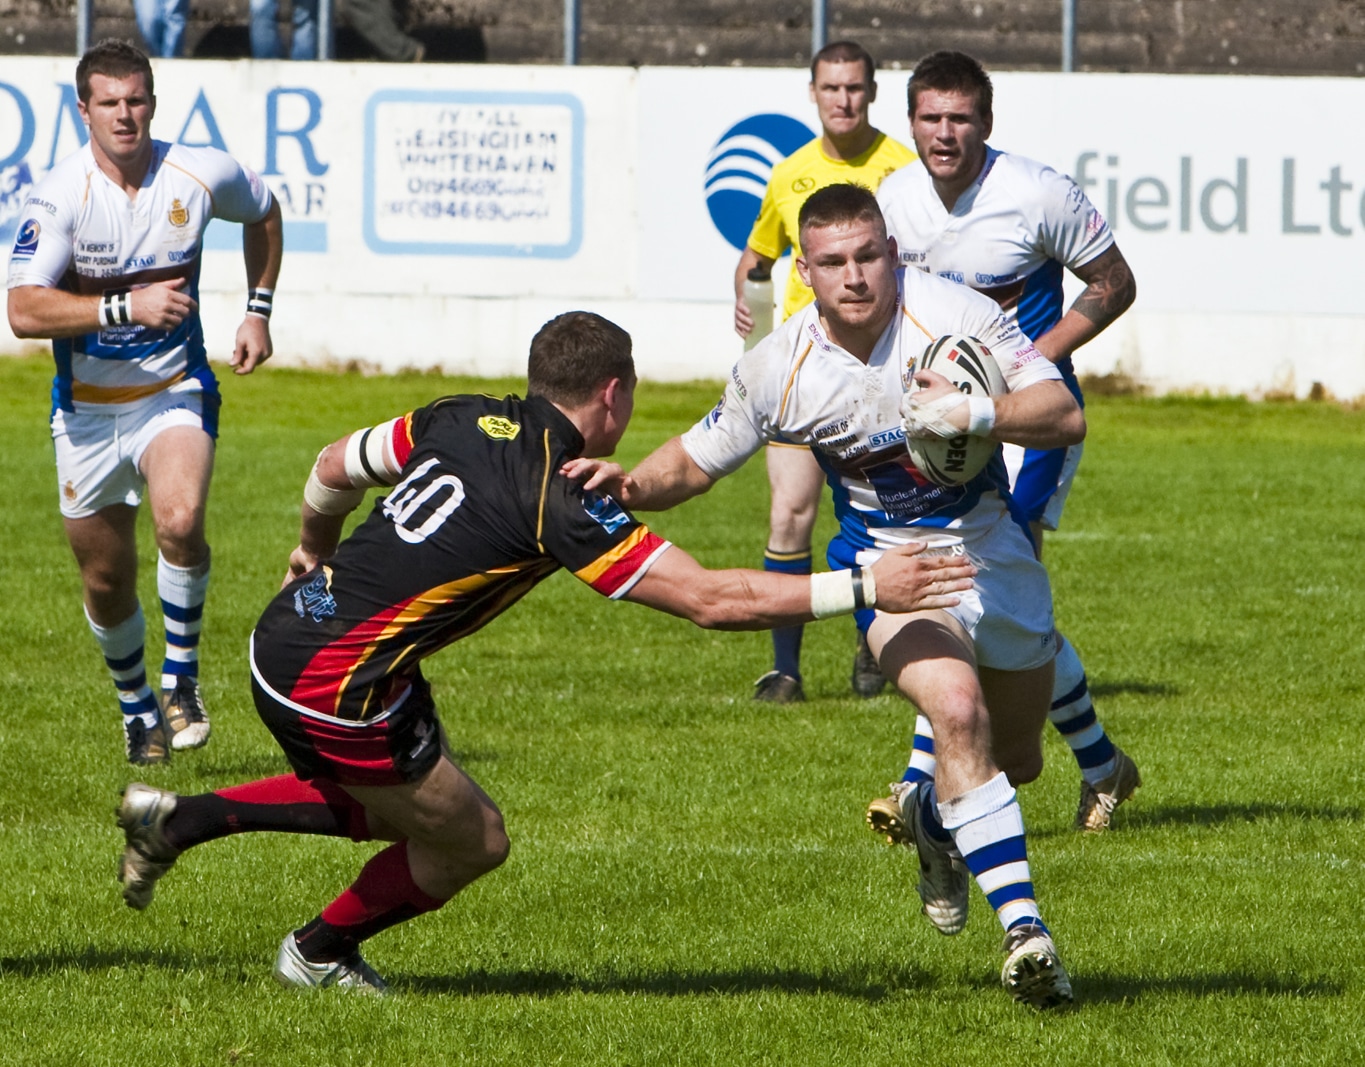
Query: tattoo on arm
[1110,288]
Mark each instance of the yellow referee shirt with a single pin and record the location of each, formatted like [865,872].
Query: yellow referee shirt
[795,178]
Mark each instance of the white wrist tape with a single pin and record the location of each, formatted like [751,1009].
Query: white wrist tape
[369,456]
[980,416]
[922,418]
[841,592]
[328,501]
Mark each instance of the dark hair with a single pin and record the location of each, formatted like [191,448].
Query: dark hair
[573,354]
[114,59]
[951,72]
[845,52]
[839,205]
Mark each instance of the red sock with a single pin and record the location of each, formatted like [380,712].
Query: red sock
[383,896]
[283,804]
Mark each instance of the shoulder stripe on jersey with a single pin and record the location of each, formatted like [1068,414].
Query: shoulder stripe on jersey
[193,178]
[791,380]
[544,489]
[616,567]
[85,193]
[119,394]
[917,323]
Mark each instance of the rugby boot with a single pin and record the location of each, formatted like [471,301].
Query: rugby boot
[1099,801]
[147,855]
[778,688]
[186,718]
[889,817]
[1033,973]
[294,972]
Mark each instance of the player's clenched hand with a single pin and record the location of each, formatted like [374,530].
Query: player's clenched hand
[253,345]
[161,305]
[934,408]
[907,580]
[601,475]
[301,561]
[744,319]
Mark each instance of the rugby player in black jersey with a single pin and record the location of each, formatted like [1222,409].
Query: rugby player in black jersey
[479,513]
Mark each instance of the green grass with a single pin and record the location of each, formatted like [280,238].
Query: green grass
[690,880]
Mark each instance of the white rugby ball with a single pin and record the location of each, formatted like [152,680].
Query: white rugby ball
[969,365]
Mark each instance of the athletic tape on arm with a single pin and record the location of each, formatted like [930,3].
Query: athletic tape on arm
[369,456]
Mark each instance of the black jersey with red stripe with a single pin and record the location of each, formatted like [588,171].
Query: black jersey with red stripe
[480,516]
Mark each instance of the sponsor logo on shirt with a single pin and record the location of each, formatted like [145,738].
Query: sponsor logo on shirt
[994,279]
[1093,225]
[713,416]
[51,209]
[739,382]
[953,276]
[177,255]
[26,240]
[178,215]
[605,511]
[139,262]
[499,428]
[886,437]
[803,185]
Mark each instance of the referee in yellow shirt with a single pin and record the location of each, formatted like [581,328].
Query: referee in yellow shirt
[849,149]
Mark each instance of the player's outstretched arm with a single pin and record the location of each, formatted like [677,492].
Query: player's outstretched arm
[1110,290]
[1042,415]
[664,478]
[263,250]
[336,486]
[902,581]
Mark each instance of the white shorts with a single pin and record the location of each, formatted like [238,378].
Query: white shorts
[1008,611]
[1040,481]
[99,456]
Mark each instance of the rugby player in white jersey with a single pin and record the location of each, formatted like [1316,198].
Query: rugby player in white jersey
[1008,227]
[834,376]
[106,265]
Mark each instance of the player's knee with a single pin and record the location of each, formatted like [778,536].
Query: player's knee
[180,535]
[1021,767]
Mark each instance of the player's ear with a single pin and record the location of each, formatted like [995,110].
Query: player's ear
[803,270]
[893,250]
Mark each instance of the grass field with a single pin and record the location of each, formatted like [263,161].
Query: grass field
[690,880]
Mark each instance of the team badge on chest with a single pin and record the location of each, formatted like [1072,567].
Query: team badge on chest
[178,215]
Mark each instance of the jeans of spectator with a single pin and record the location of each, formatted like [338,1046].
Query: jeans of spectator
[374,21]
[162,25]
[265,33]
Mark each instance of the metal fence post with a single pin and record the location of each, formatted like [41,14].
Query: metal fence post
[819,26]
[1068,36]
[572,14]
[327,29]
[85,19]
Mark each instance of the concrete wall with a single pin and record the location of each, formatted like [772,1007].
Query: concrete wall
[1306,37]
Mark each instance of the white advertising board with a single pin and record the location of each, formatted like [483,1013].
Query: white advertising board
[436,215]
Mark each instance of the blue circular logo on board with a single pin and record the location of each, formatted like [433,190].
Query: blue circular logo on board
[739,166]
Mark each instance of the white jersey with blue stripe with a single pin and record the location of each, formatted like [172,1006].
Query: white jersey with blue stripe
[82,233]
[798,386]
[1009,235]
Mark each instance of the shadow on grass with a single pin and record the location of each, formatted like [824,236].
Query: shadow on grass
[1101,690]
[1214,814]
[669,984]
[1118,989]
[91,958]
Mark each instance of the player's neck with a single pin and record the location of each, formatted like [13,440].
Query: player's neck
[949,191]
[127,175]
[848,146]
[858,342]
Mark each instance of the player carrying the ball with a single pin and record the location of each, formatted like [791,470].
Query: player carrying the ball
[835,376]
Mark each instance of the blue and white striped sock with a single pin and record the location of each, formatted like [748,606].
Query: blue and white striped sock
[923,763]
[1073,713]
[988,827]
[122,649]
[787,639]
[182,591]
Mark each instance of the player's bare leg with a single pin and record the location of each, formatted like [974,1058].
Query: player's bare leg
[105,548]
[969,819]
[795,481]
[178,465]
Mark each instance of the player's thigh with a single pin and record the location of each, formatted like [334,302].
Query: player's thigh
[177,464]
[796,482]
[1018,703]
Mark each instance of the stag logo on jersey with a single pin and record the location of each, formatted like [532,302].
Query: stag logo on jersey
[498,428]
[178,215]
[739,166]
[26,240]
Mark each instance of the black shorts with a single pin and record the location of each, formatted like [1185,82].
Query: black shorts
[400,746]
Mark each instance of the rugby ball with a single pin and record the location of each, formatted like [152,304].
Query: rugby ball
[969,365]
